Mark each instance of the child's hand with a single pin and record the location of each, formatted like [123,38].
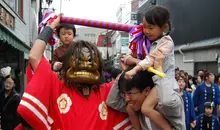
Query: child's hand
[129,60]
[124,58]
[193,124]
[189,90]
[130,74]
[196,109]
[57,66]
[56,22]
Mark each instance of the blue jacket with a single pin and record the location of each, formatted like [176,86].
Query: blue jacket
[190,114]
[200,97]
[215,122]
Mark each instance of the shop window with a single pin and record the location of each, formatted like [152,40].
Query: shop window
[16,6]
[89,35]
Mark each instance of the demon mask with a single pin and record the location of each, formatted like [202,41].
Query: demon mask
[83,67]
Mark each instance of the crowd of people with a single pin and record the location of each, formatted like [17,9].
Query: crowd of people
[204,95]
[78,97]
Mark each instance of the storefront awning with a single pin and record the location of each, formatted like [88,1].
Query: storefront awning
[8,37]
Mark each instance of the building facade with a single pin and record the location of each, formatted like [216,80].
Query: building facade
[18,29]
[126,14]
[195,32]
[96,36]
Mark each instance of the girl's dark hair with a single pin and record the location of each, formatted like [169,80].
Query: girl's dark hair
[9,76]
[66,26]
[158,15]
[200,70]
[185,80]
[207,74]
[194,80]
[75,50]
[181,77]
[140,81]
[201,76]
[217,77]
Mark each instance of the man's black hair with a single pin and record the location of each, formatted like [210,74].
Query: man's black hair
[115,72]
[140,81]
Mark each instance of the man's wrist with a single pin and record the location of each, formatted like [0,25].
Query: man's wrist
[52,26]
[45,34]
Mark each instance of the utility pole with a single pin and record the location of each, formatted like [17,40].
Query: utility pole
[40,12]
[106,39]
[60,6]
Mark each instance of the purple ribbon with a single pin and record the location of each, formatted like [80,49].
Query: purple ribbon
[139,39]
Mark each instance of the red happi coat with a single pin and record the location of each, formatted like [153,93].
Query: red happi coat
[48,104]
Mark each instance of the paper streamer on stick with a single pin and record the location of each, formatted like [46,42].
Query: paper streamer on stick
[139,43]
[97,24]
[136,31]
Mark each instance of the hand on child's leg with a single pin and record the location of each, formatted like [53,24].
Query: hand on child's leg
[148,110]
[133,118]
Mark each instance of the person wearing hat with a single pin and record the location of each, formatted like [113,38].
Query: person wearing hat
[5,72]
[206,120]
[9,101]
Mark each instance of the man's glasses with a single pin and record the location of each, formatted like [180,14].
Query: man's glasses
[129,94]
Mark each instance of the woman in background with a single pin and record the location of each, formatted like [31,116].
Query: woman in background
[9,101]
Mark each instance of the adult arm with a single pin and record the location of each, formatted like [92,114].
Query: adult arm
[114,100]
[39,46]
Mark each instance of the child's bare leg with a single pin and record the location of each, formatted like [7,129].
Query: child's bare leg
[147,109]
[133,118]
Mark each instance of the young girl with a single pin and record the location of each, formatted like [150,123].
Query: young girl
[206,120]
[155,22]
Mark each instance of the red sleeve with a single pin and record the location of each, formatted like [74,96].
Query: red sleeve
[19,127]
[29,73]
[35,100]
[116,120]
[108,87]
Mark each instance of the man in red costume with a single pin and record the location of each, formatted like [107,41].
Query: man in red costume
[76,103]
